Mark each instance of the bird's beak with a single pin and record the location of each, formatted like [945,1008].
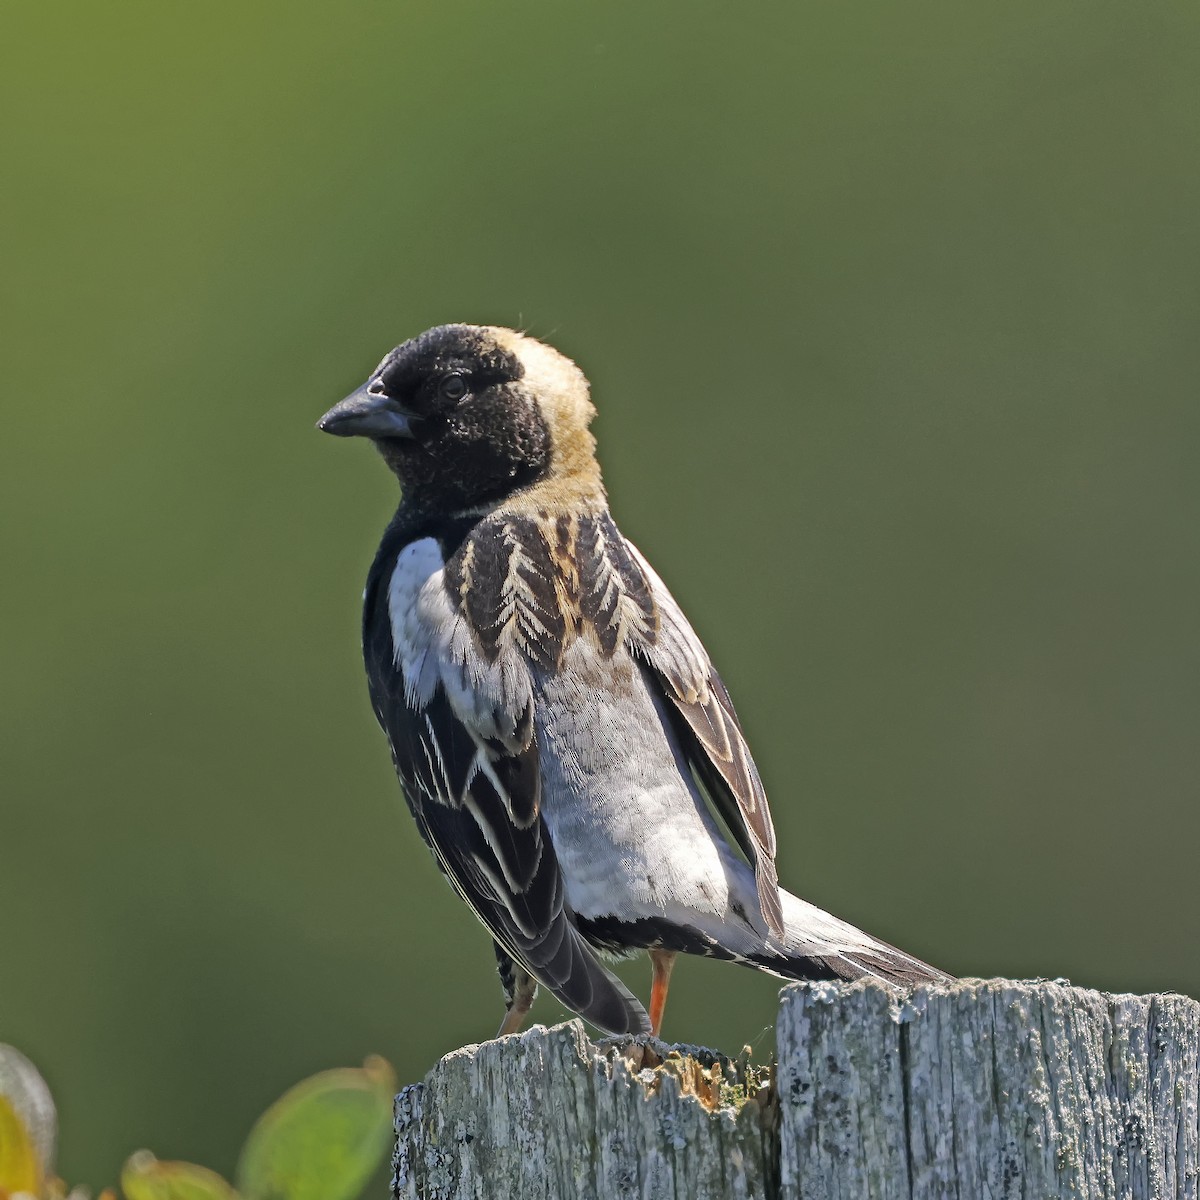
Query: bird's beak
[366,414]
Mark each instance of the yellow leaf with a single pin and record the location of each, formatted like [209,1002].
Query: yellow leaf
[144,1177]
[26,1092]
[323,1139]
[20,1170]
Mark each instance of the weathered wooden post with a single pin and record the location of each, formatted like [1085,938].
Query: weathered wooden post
[977,1090]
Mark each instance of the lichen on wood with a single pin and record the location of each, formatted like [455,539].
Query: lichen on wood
[987,1089]
[549,1113]
[976,1090]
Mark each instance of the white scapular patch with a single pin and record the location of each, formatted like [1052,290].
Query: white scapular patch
[434,646]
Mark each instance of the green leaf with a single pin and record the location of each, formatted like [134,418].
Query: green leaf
[143,1177]
[20,1169]
[323,1139]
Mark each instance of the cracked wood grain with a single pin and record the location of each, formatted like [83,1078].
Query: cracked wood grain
[977,1090]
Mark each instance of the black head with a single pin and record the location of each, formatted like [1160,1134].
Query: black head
[456,415]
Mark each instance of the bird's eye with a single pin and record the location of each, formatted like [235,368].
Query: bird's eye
[453,388]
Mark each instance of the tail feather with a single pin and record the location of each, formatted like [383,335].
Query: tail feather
[817,945]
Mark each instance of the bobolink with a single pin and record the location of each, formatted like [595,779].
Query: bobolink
[560,734]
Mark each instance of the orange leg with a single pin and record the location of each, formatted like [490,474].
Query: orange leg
[524,991]
[662,961]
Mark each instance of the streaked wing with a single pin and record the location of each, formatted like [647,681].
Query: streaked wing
[712,738]
[462,738]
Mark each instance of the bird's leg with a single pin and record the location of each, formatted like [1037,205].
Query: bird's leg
[524,990]
[662,961]
[520,988]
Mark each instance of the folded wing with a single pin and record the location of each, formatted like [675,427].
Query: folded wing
[712,738]
[461,730]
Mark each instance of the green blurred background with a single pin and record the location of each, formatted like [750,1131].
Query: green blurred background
[891,313]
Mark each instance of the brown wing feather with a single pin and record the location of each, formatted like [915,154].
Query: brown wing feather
[677,656]
[717,731]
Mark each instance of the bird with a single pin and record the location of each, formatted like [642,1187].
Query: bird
[566,747]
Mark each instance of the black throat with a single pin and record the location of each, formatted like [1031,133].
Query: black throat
[463,464]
